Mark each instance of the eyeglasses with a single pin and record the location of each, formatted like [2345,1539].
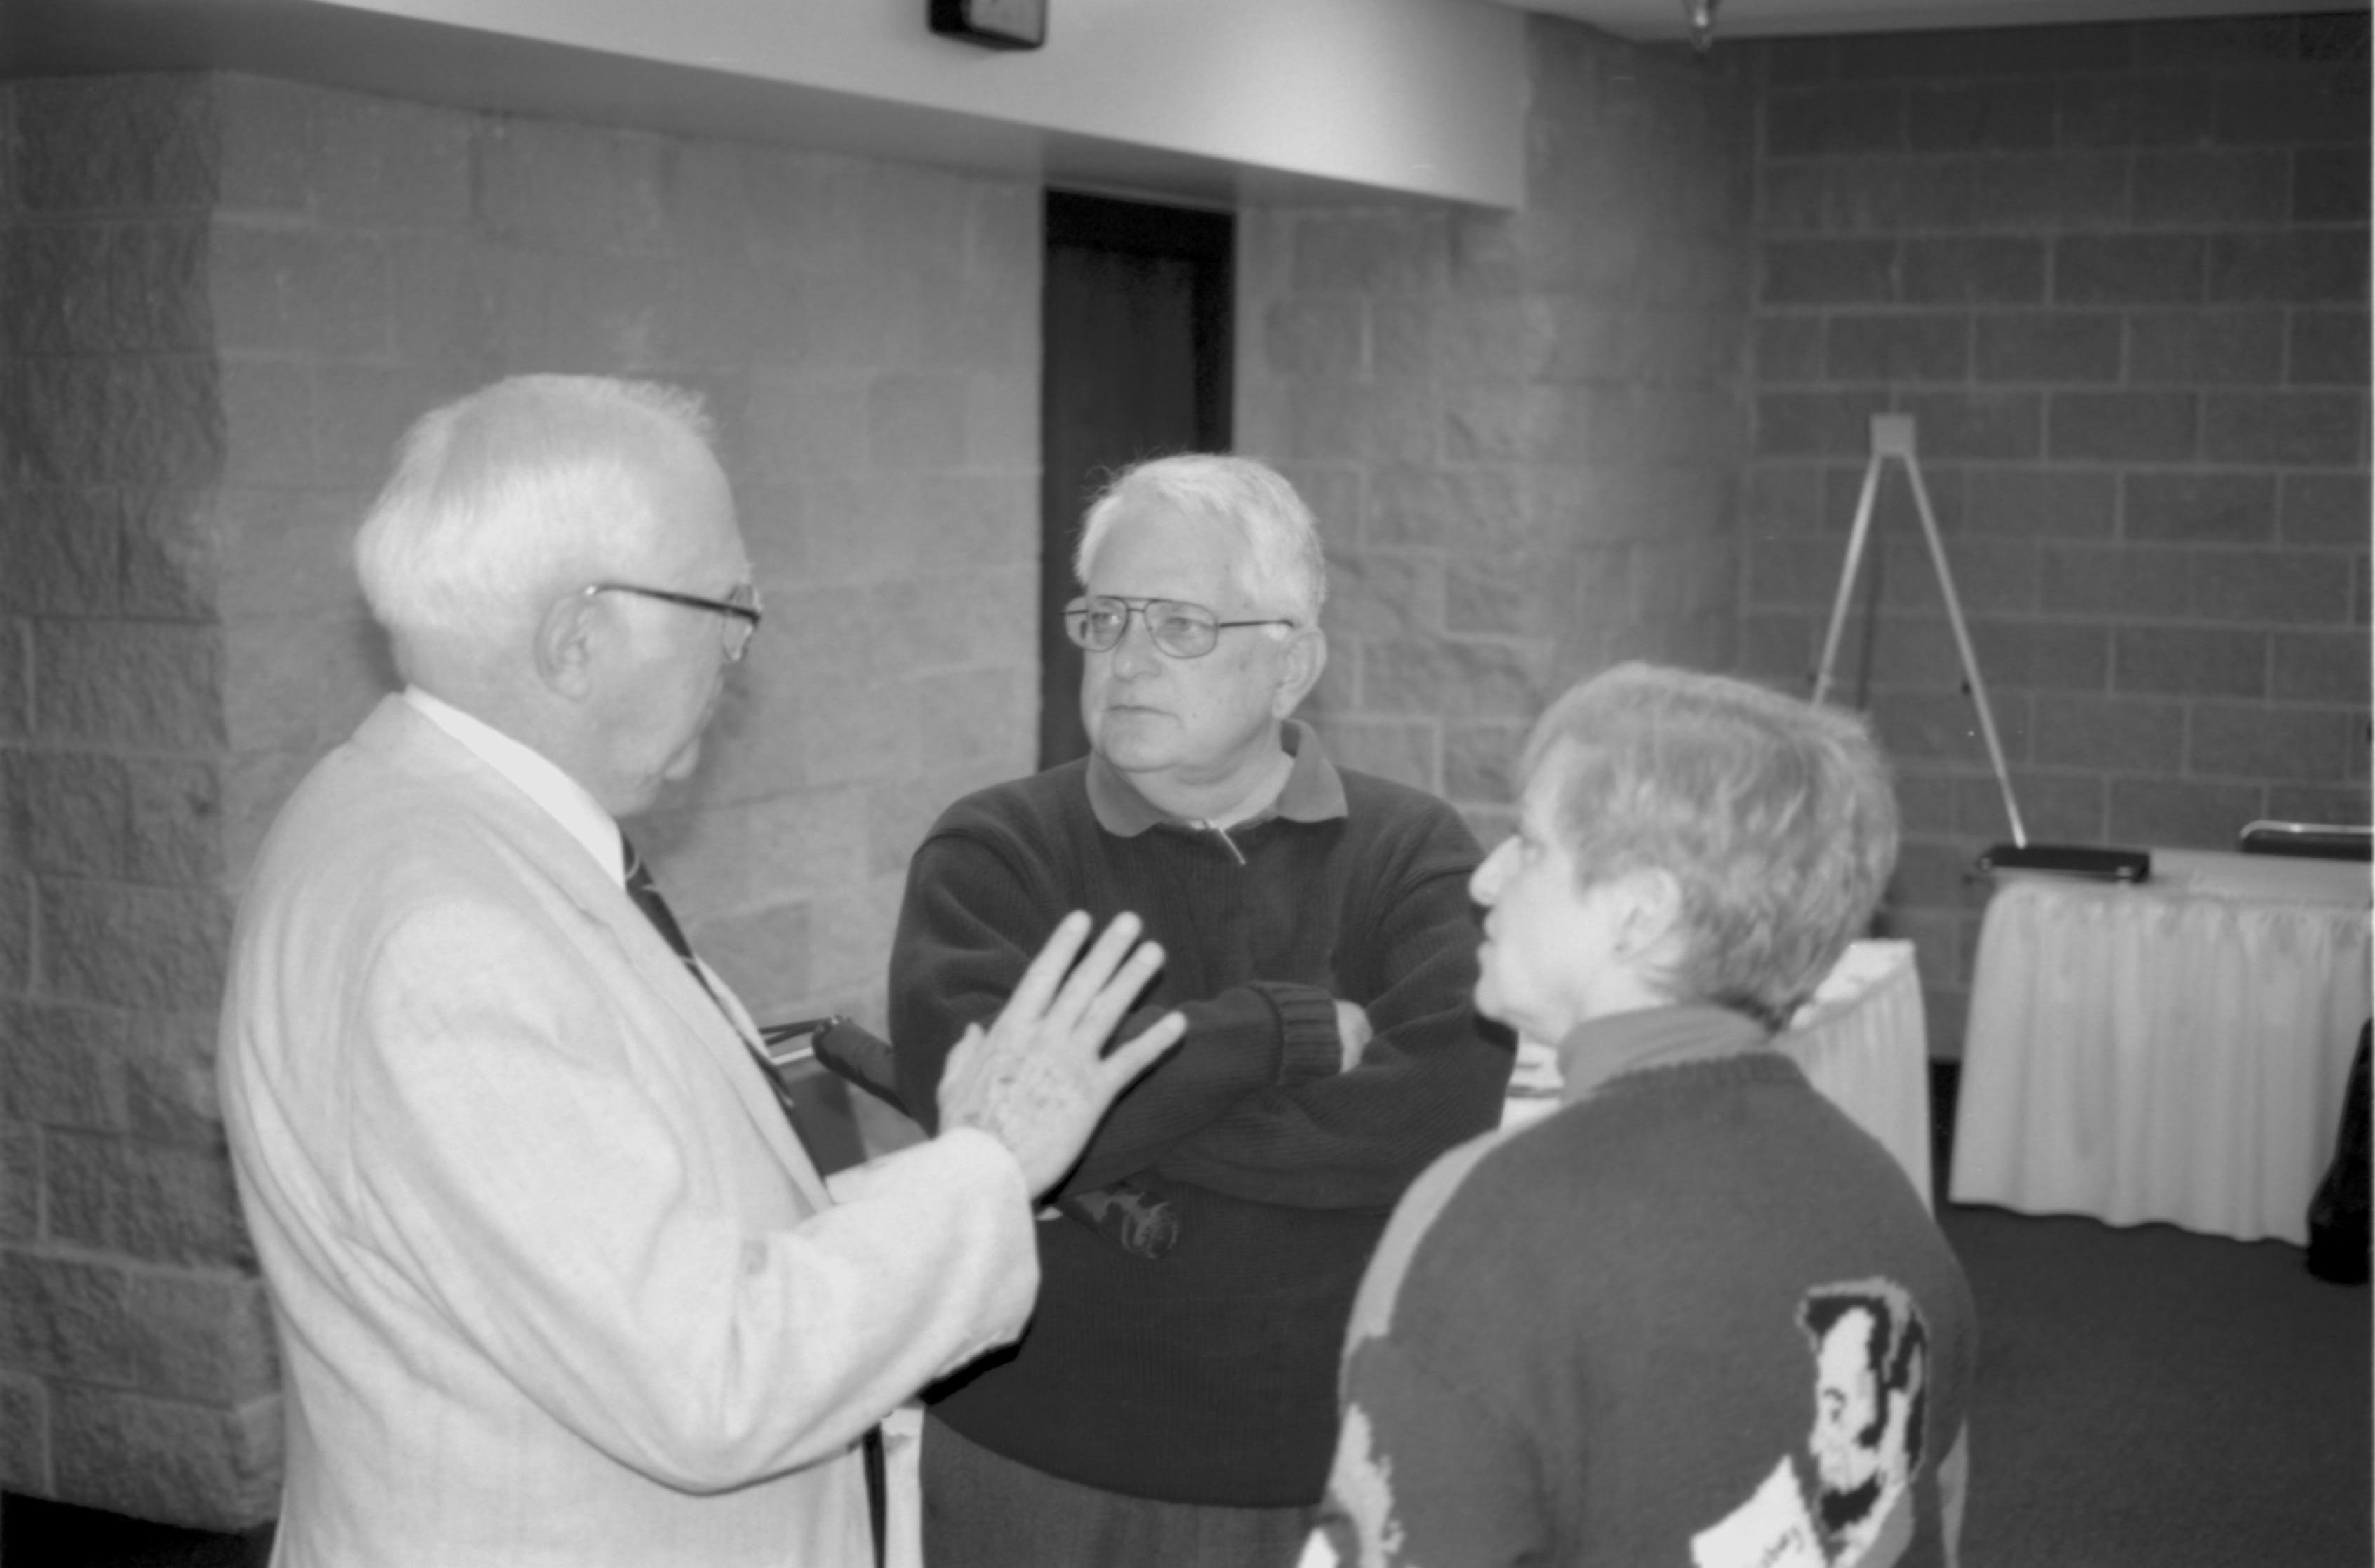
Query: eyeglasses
[1182,631]
[743,610]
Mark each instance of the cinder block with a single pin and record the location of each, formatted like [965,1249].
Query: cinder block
[2157,110]
[2130,269]
[1479,760]
[1816,424]
[1937,726]
[123,945]
[2316,803]
[2295,429]
[2306,588]
[2125,582]
[2225,508]
[1327,337]
[1371,251]
[2322,666]
[548,180]
[146,1201]
[2181,813]
[20,1186]
[2059,347]
[2261,742]
[63,550]
[1408,752]
[2212,187]
[1385,592]
[1898,347]
[15,679]
[977,716]
[2195,347]
[2327,348]
[2121,426]
[1980,270]
[1523,593]
[64,1066]
[1987,425]
[128,683]
[169,1065]
[193,1465]
[24,1436]
[2288,267]
[2064,189]
[1488,680]
[113,143]
[379,163]
[1834,119]
[915,421]
[2225,43]
[2307,103]
[58,287]
[1784,349]
[2121,735]
[2190,661]
[1828,272]
[1997,51]
[2329,184]
[1995,115]
[2323,509]
[166,557]
[2041,657]
[2041,503]
[153,420]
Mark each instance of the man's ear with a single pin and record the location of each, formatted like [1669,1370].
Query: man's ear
[1652,917]
[1307,655]
[566,639]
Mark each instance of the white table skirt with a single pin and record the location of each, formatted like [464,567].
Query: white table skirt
[2172,1051]
[1862,1041]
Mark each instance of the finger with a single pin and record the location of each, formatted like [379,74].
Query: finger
[1114,998]
[1091,976]
[1040,980]
[1141,1052]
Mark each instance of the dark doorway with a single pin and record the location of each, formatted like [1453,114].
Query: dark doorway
[1135,324]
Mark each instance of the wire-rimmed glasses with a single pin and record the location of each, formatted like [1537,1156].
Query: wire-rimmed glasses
[743,610]
[1181,629]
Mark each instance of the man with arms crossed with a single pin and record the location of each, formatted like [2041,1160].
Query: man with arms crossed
[554,1279]
[1173,1402]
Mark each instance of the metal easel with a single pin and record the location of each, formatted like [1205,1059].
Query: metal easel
[1891,436]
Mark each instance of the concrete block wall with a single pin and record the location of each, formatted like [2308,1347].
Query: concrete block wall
[1520,431]
[2119,275]
[223,300]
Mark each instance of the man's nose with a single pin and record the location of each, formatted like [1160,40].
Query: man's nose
[1484,886]
[1135,652]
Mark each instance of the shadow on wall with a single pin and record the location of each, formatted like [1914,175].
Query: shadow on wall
[37,1533]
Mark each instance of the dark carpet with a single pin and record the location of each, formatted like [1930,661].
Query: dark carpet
[2148,1399]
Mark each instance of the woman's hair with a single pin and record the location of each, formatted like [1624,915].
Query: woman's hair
[1773,816]
[513,495]
[1281,568]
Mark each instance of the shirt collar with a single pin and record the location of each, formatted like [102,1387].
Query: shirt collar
[1313,791]
[1606,1048]
[534,775]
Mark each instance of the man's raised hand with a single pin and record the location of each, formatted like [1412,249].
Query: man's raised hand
[1037,1081]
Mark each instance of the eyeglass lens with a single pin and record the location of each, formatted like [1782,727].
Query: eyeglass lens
[1183,631]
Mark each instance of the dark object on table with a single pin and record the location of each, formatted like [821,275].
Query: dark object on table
[2323,841]
[2338,1240]
[2070,859]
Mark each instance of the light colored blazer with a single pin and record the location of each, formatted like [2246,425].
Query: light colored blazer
[555,1283]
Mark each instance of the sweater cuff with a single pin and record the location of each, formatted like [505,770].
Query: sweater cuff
[1310,1046]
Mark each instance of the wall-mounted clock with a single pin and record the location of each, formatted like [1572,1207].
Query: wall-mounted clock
[995,24]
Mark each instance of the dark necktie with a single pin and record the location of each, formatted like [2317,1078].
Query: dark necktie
[647,896]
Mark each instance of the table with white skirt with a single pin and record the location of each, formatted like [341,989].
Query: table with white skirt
[1862,1041]
[2174,1050]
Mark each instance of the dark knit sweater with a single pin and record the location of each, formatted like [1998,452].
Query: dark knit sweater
[1208,1374]
[1637,1331]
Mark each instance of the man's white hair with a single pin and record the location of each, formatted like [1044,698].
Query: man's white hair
[505,499]
[1281,567]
